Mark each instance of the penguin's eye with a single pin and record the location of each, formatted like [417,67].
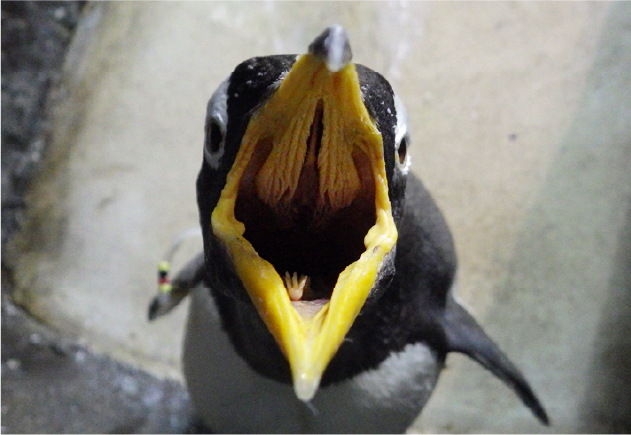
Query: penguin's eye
[402,151]
[214,137]
[401,136]
[216,122]
[214,142]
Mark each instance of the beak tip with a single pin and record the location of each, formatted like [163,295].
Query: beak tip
[333,47]
[305,387]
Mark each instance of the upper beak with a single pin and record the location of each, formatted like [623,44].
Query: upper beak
[305,214]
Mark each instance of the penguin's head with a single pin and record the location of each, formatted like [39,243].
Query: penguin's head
[300,193]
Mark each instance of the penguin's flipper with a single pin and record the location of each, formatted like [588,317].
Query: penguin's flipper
[191,274]
[464,335]
[173,293]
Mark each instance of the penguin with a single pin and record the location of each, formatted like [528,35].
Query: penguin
[325,291]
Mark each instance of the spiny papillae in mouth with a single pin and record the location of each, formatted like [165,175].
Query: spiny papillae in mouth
[312,228]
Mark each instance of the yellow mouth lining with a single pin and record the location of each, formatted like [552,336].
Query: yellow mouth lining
[347,137]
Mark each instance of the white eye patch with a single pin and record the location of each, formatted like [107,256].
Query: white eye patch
[401,137]
[216,122]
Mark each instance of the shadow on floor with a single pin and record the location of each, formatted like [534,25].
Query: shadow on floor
[607,405]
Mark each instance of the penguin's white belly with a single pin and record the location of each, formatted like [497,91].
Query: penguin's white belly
[231,397]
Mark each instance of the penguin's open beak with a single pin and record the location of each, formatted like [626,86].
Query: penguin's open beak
[305,215]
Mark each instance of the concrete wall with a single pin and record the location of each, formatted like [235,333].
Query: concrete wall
[520,126]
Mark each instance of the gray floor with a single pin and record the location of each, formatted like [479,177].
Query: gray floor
[520,126]
[52,385]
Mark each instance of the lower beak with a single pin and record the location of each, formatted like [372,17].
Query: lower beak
[305,214]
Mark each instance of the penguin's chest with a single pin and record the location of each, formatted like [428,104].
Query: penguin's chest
[231,397]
